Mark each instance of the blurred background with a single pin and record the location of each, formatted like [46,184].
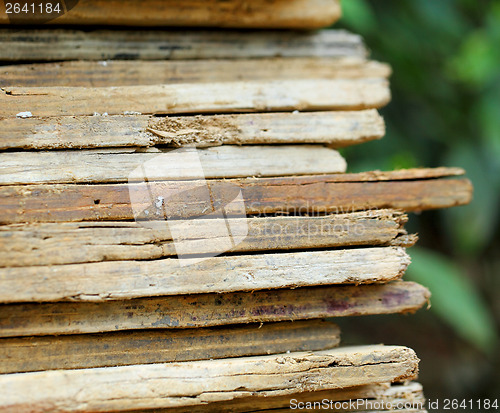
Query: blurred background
[445,111]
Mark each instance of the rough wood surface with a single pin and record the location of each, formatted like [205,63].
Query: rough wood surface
[410,393]
[282,14]
[130,73]
[116,165]
[410,190]
[50,45]
[335,128]
[197,382]
[116,280]
[19,355]
[222,97]
[68,243]
[208,310]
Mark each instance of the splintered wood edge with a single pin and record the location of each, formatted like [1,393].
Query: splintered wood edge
[127,348]
[164,385]
[209,310]
[396,175]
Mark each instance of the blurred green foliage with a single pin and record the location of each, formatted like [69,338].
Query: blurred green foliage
[454,297]
[445,111]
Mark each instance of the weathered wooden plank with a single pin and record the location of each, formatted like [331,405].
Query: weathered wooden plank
[198,382]
[129,73]
[282,14]
[49,45]
[338,193]
[335,128]
[221,97]
[363,398]
[208,310]
[19,355]
[67,243]
[116,165]
[117,280]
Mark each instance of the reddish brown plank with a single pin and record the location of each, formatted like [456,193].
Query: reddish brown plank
[407,190]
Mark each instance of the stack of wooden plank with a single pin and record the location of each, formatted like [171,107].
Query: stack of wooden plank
[99,313]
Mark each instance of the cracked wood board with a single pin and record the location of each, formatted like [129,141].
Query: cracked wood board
[197,382]
[197,98]
[334,128]
[409,190]
[59,45]
[361,395]
[130,73]
[118,165]
[209,310]
[19,355]
[117,280]
[70,243]
[281,14]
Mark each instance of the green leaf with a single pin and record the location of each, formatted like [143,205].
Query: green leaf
[454,298]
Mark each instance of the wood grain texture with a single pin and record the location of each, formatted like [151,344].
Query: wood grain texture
[410,393]
[117,165]
[410,190]
[129,73]
[208,310]
[197,382]
[117,280]
[334,128]
[58,45]
[280,14]
[222,97]
[18,355]
[68,243]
